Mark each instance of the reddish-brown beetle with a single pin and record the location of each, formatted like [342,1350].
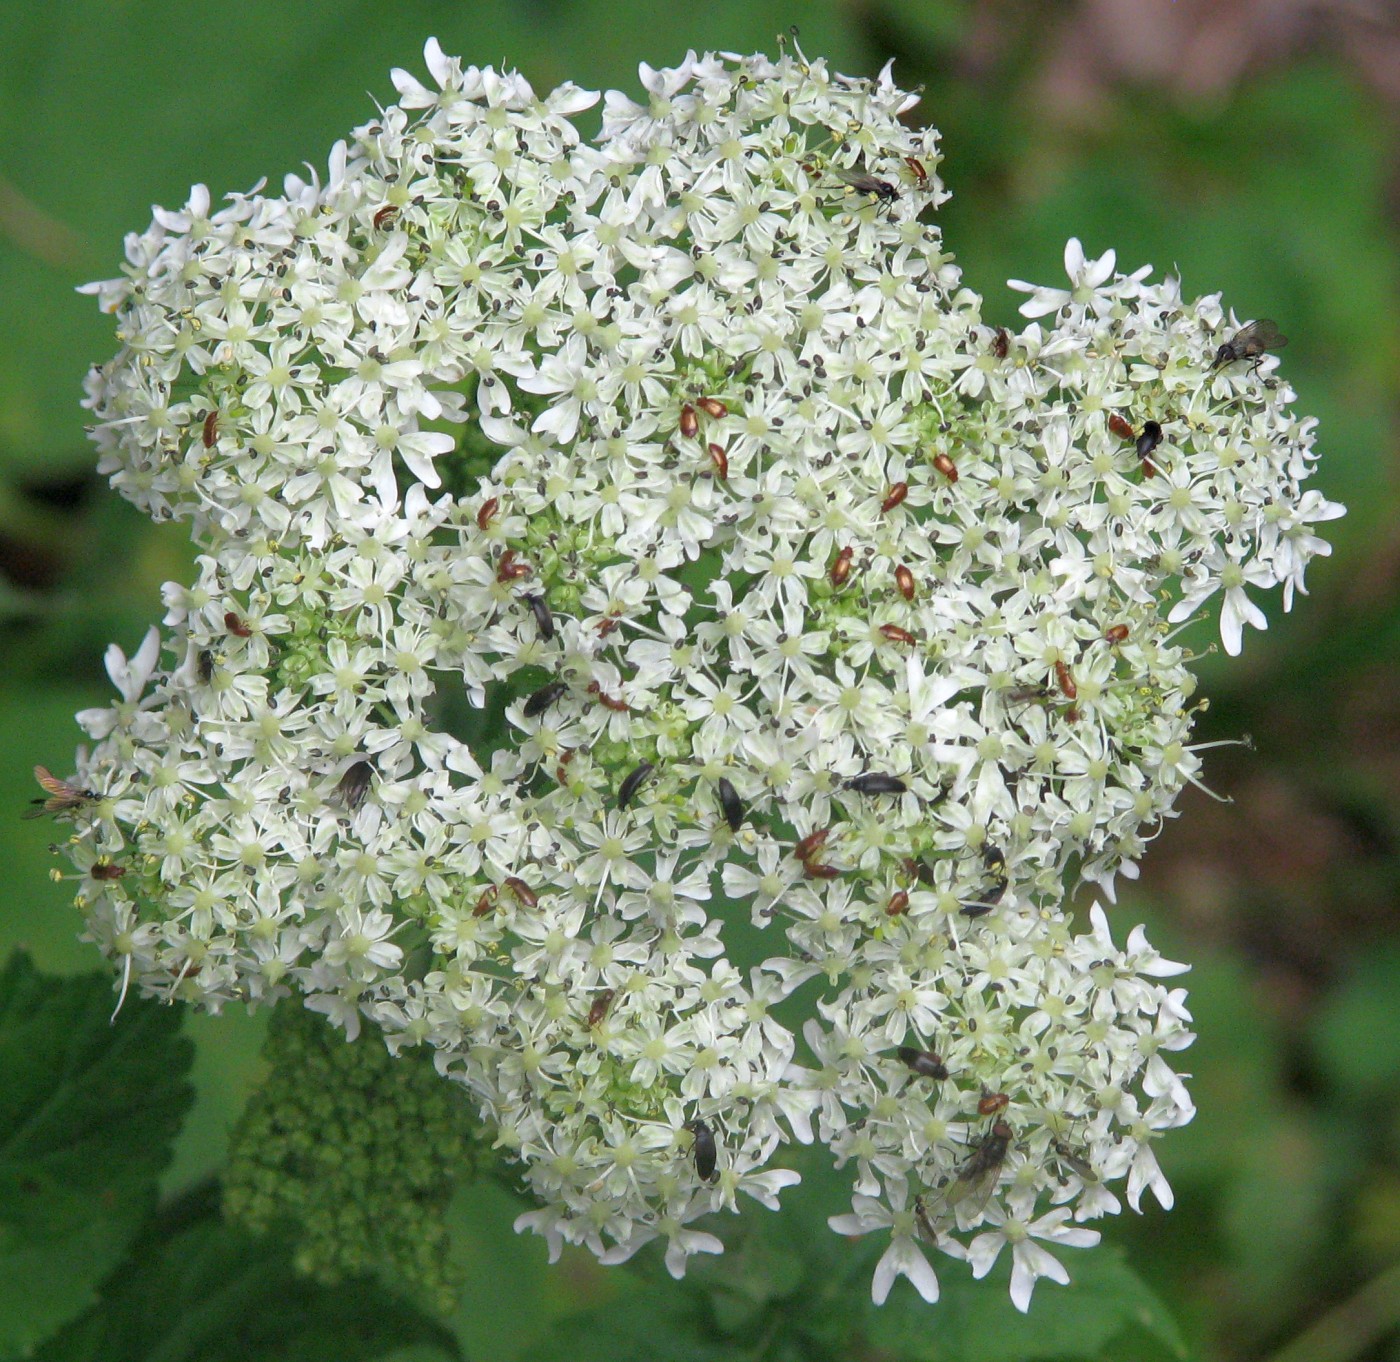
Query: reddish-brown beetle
[897,635]
[896,494]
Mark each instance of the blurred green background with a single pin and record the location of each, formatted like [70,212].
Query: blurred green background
[1249,145]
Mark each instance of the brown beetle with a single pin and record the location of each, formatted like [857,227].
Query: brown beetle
[601,1003]
[896,494]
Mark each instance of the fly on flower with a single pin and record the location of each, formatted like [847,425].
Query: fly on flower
[1150,438]
[928,1231]
[62,796]
[354,785]
[1075,1162]
[863,182]
[1250,342]
[970,1191]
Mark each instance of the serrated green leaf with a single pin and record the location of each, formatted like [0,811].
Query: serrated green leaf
[196,1289]
[88,1111]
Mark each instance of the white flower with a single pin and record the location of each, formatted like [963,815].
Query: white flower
[792,579]
[1086,277]
[1029,1261]
[904,1257]
[1221,570]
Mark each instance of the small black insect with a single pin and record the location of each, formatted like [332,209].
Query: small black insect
[1150,438]
[922,1062]
[543,698]
[1077,1162]
[927,1229]
[995,861]
[863,182]
[1250,342]
[875,783]
[731,804]
[354,785]
[204,666]
[704,1148]
[544,621]
[632,783]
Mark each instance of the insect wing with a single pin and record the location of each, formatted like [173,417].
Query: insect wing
[354,785]
[969,1192]
[928,1231]
[52,785]
[1076,1163]
[62,796]
[863,182]
[1258,337]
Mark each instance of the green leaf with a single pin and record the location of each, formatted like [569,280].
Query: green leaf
[1107,1311]
[88,1111]
[661,1323]
[197,1289]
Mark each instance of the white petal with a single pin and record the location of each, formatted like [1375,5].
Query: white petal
[438,63]
[849,1224]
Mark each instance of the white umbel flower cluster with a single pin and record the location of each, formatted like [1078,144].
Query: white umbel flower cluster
[605,543]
